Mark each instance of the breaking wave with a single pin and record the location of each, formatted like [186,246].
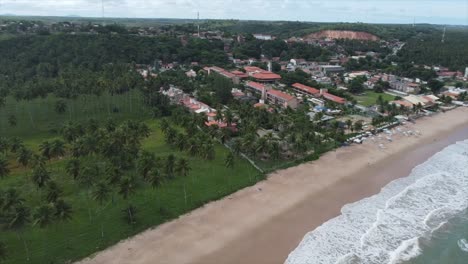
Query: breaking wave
[387,227]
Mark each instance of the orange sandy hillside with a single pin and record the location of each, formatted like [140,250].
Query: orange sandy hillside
[342,34]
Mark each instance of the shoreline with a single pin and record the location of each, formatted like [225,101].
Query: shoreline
[265,222]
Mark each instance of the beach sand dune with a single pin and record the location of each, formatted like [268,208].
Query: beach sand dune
[265,222]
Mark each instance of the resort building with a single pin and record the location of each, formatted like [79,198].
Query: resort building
[261,75]
[282,99]
[306,90]
[330,97]
[257,88]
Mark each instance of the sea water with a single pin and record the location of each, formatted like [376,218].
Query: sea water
[422,218]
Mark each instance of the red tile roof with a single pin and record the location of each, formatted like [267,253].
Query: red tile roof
[334,98]
[266,76]
[281,95]
[403,103]
[240,74]
[253,69]
[306,88]
[255,85]
[259,105]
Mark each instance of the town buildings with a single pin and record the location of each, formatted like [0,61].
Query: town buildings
[261,75]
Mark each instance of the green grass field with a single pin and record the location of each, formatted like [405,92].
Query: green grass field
[94,227]
[370,98]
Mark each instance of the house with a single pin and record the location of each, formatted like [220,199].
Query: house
[418,100]
[261,75]
[263,37]
[449,74]
[234,78]
[191,74]
[257,88]
[240,75]
[195,106]
[405,86]
[236,93]
[331,69]
[306,90]
[330,97]
[403,103]
[282,99]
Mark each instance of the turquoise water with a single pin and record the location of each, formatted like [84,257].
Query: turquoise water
[446,244]
[419,219]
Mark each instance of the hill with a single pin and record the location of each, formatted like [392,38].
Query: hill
[343,34]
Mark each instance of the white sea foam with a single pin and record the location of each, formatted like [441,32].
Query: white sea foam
[463,244]
[386,228]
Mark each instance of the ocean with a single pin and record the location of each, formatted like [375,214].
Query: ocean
[422,218]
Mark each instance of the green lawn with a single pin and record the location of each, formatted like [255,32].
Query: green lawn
[82,236]
[370,98]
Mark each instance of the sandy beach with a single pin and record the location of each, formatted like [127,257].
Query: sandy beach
[265,222]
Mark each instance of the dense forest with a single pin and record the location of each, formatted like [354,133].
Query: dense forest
[429,49]
[32,66]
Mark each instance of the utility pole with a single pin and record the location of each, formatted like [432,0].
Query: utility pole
[443,35]
[198,23]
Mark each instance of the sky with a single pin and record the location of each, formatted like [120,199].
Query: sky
[367,11]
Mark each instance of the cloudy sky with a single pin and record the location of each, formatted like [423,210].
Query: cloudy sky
[378,11]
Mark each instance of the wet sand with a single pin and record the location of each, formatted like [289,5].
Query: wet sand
[264,223]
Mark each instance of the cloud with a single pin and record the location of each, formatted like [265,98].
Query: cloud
[380,11]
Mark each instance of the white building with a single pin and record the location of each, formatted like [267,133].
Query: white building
[262,37]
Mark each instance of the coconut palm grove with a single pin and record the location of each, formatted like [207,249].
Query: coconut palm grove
[96,146]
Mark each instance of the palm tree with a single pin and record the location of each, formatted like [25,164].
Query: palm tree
[170,165]
[183,168]
[113,174]
[145,163]
[236,146]
[207,150]
[4,145]
[129,214]
[15,144]
[229,162]
[53,192]
[128,188]
[69,132]
[57,148]
[43,216]
[40,176]
[110,125]
[170,136]
[155,178]
[24,156]
[181,141]
[12,120]
[62,210]
[60,107]
[3,251]
[10,199]
[102,192]
[73,168]
[38,160]
[45,148]
[4,170]
[17,220]
[229,117]
[164,125]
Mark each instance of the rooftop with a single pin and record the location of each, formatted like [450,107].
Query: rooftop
[306,88]
[281,95]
